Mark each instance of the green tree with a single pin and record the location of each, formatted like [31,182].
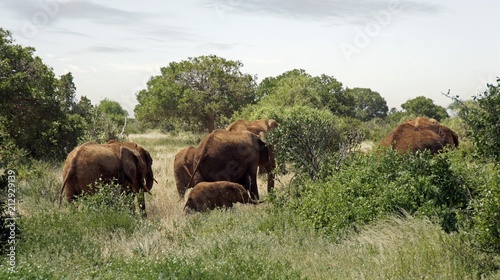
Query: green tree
[35,106]
[423,106]
[200,91]
[113,110]
[298,88]
[368,104]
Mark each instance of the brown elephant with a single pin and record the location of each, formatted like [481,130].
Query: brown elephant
[115,161]
[420,134]
[209,195]
[183,169]
[258,127]
[145,156]
[232,156]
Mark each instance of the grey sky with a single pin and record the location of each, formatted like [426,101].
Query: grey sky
[402,49]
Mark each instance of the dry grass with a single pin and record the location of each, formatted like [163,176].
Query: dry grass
[251,241]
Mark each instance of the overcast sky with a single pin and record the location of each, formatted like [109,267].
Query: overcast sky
[401,49]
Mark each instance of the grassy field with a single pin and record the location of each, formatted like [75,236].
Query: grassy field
[248,242]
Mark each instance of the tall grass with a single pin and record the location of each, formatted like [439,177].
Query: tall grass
[247,242]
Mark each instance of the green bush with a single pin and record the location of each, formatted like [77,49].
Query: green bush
[486,221]
[108,198]
[372,186]
[310,141]
[483,119]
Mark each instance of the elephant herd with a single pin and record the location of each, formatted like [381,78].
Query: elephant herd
[222,169]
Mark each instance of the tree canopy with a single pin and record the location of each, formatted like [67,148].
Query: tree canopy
[40,114]
[423,106]
[36,106]
[200,91]
[368,104]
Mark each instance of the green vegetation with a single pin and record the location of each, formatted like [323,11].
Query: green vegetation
[200,92]
[340,210]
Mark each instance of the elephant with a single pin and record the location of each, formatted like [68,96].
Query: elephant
[423,122]
[420,134]
[209,195]
[146,157]
[232,156]
[258,127]
[183,169]
[114,161]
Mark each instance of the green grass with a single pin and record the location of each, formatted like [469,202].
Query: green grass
[95,241]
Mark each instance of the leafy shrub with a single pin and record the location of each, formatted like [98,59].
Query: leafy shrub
[311,140]
[486,221]
[372,186]
[483,119]
[107,198]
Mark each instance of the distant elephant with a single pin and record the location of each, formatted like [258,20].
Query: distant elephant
[92,162]
[420,134]
[423,122]
[183,169]
[258,127]
[232,156]
[209,195]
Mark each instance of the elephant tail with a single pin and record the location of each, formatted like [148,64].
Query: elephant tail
[67,176]
[201,152]
[65,181]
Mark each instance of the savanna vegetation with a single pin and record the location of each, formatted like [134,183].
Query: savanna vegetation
[343,207]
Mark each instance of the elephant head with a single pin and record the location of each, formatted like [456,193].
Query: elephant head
[146,169]
[132,169]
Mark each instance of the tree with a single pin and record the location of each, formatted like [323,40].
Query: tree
[199,91]
[368,104]
[422,106]
[35,106]
[113,110]
[298,88]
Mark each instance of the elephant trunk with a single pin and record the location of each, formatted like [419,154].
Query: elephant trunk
[149,182]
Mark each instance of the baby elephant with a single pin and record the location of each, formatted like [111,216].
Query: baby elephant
[209,195]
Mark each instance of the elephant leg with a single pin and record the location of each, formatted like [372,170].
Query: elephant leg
[251,181]
[226,203]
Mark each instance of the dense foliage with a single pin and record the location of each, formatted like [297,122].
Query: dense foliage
[40,115]
[312,141]
[482,115]
[28,91]
[423,106]
[200,91]
[370,187]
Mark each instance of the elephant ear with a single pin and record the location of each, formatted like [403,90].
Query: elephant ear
[272,124]
[131,168]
